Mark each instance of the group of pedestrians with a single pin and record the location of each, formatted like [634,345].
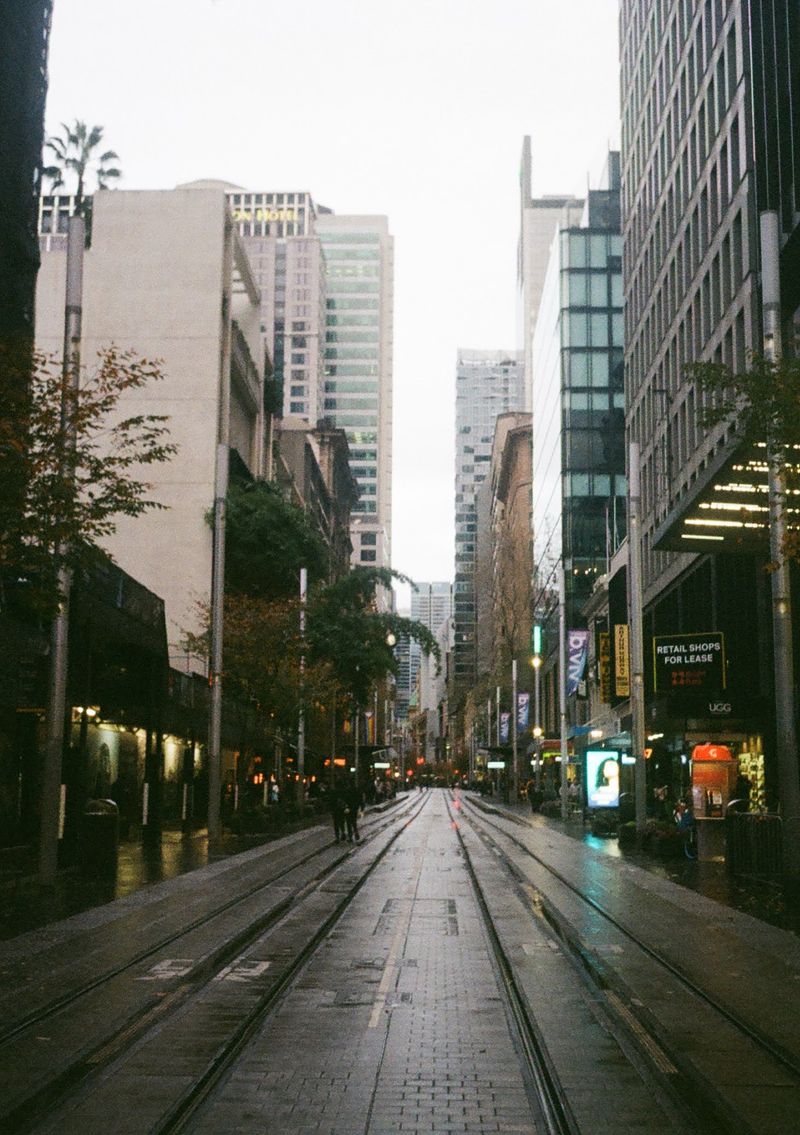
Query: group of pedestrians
[346,800]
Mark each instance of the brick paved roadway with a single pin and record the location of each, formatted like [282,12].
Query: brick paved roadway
[397,1025]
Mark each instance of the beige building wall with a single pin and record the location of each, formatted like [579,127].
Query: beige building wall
[164,277]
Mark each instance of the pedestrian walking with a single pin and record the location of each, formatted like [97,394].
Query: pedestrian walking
[338,806]
[354,800]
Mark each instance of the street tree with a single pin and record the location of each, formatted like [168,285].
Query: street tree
[76,156]
[763,402]
[346,628]
[83,459]
[268,539]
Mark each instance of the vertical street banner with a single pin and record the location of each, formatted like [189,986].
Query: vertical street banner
[604,666]
[523,711]
[577,649]
[505,724]
[622,661]
[370,718]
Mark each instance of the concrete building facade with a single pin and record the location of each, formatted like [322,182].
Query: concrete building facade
[539,217]
[166,276]
[512,551]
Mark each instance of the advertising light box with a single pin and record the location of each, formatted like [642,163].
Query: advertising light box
[602,778]
[689,662]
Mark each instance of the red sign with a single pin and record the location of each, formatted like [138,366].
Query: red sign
[711,753]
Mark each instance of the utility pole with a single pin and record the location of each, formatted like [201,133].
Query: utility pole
[53,797]
[785,729]
[514,729]
[636,636]
[301,722]
[562,686]
[215,674]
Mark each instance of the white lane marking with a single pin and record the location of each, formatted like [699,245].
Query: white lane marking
[170,967]
[243,969]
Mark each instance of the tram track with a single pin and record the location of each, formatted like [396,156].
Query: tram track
[712,1111]
[179,1117]
[553,1105]
[63,1017]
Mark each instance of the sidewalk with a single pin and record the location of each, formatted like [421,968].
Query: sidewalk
[706,876]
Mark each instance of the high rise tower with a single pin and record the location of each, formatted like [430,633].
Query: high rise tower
[710,138]
[359,288]
[488,383]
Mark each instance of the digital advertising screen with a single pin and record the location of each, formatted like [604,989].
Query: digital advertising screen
[602,778]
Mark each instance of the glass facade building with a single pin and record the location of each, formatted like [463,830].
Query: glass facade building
[488,384]
[579,484]
[358,266]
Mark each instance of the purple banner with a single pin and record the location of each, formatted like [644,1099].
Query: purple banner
[505,723]
[523,711]
[577,649]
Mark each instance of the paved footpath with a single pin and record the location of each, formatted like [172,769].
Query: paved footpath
[397,1025]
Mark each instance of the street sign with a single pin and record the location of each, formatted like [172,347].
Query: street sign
[495,764]
[381,764]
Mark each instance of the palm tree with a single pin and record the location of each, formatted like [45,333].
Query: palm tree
[75,152]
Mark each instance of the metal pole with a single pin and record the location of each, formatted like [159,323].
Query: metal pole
[785,729]
[301,722]
[514,729]
[53,797]
[537,709]
[636,637]
[497,715]
[562,686]
[215,675]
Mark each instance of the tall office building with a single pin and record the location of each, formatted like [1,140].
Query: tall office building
[431,605]
[277,229]
[539,217]
[579,485]
[488,383]
[359,288]
[711,137]
[327,284]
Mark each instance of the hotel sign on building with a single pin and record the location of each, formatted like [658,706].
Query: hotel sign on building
[689,662]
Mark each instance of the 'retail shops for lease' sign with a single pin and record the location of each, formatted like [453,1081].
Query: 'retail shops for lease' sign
[689,662]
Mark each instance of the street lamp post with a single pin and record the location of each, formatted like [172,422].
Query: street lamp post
[536,663]
[514,729]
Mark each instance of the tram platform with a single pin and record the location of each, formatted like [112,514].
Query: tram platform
[400,1021]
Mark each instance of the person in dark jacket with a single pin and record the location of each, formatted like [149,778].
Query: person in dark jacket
[338,806]
[354,801]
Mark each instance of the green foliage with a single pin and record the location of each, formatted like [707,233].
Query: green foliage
[346,630]
[80,460]
[75,152]
[763,401]
[267,541]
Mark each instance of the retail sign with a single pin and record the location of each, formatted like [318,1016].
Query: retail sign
[711,753]
[604,666]
[689,662]
[622,661]
[577,647]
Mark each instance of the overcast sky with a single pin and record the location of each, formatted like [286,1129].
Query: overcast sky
[415,109]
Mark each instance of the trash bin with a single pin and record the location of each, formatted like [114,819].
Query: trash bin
[99,836]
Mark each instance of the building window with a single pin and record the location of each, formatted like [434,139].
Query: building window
[368,557]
